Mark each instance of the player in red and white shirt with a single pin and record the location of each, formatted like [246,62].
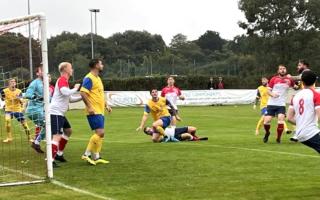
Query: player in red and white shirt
[62,95]
[278,91]
[304,111]
[172,93]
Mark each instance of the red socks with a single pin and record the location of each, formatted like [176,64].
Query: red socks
[280,130]
[62,144]
[54,147]
[267,128]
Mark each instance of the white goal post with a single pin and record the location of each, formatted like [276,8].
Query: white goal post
[9,24]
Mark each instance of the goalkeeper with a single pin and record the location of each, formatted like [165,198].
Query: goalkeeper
[35,108]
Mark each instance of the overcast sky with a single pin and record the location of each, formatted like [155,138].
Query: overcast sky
[164,17]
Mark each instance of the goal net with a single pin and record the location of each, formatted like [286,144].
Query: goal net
[23,112]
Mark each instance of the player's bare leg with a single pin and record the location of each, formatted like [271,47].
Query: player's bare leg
[156,137]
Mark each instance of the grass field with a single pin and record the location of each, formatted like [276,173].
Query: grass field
[233,164]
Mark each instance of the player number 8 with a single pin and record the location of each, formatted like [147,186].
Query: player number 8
[301,106]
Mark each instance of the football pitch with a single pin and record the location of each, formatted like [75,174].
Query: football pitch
[232,164]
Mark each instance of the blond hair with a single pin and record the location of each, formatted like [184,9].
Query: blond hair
[63,66]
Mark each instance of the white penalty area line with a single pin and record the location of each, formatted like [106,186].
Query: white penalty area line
[259,150]
[58,183]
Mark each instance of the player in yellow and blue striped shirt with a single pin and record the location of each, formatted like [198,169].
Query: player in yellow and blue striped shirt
[92,93]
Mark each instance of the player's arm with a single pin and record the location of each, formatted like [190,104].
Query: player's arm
[270,87]
[181,97]
[109,109]
[144,118]
[272,94]
[85,89]
[168,103]
[256,101]
[291,115]
[74,99]
[86,101]
[294,78]
[31,93]
[318,112]
[173,110]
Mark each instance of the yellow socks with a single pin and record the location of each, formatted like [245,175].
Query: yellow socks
[160,130]
[260,123]
[8,127]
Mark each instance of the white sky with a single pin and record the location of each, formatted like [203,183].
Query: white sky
[164,17]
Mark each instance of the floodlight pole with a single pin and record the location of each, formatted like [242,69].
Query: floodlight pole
[95,11]
[30,46]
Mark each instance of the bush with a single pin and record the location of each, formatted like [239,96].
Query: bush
[184,82]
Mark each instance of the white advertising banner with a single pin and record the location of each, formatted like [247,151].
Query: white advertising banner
[193,97]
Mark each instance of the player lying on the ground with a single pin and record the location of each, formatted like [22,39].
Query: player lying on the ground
[174,134]
[276,107]
[13,108]
[157,106]
[304,111]
[60,127]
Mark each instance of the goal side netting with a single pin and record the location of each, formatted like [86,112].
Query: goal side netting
[23,48]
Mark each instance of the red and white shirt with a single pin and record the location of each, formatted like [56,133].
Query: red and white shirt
[61,96]
[172,94]
[280,86]
[305,104]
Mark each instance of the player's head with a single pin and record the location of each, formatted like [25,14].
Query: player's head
[264,81]
[220,78]
[302,65]
[39,71]
[282,70]
[96,63]
[211,78]
[308,78]
[154,93]
[148,131]
[66,68]
[12,83]
[170,81]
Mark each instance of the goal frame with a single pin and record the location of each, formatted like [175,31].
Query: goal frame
[44,55]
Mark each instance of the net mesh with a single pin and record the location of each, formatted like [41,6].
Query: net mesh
[19,163]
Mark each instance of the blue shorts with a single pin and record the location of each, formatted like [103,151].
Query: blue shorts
[179,131]
[166,121]
[264,111]
[96,121]
[18,115]
[58,123]
[275,110]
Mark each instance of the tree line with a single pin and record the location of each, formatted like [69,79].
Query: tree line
[277,32]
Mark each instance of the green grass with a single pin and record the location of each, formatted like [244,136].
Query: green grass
[140,169]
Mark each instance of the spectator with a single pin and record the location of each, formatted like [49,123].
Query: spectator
[220,84]
[211,84]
